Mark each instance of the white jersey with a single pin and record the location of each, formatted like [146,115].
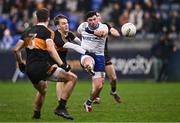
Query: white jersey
[91,42]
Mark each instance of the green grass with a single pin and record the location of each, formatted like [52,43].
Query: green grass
[142,102]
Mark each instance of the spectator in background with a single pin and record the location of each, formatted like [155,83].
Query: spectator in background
[174,21]
[148,23]
[149,6]
[124,17]
[129,6]
[15,14]
[7,40]
[136,17]
[162,51]
[96,5]
[2,28]
[115,14]
[157,22]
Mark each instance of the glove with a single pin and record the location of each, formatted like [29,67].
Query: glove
[70,36]
[89,31]
[90,54]
[22,67]
[66,67]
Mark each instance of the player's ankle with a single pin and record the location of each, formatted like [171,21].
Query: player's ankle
[88,102]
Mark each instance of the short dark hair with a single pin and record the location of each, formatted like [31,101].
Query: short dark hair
[42,15]
[90,14]
[60,16]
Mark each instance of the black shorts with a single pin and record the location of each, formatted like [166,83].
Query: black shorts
[62,55]
[107,60]
[37,71]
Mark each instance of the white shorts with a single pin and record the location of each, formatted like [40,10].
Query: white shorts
[99,75]
[55,75]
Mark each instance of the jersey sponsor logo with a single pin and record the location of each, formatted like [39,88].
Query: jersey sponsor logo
[91,38]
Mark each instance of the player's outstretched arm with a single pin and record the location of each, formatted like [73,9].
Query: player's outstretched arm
[71,37]
[75,47]
[77,40]
[114,32]
[101,33]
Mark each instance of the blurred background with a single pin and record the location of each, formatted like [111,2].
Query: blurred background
[152,54]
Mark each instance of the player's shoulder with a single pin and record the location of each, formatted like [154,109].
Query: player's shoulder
[81,27]
[44,32]
[28,32]
[50,30]
[83,24]
[29,29]
[102,25]
[43,28]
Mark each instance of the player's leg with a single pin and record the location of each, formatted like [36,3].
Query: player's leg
[97,81]
[88,64]
[97,85]
[70,79]
[60,85]
[59,88]
[41,87]
[110,71]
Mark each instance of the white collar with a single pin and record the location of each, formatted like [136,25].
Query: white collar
[41,23]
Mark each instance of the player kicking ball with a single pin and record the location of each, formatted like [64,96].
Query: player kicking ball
[94,35]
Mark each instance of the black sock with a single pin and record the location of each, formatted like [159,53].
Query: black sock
[37,114]
[62,103]
[113,89]
[113,86]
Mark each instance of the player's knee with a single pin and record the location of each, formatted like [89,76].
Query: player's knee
[87,62]
[86,65]
[72,77]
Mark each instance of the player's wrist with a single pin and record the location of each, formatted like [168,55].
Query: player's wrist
[22,67]
[66,67]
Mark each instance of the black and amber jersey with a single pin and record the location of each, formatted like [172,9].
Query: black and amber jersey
[59,41]
[37,63]
[35,42]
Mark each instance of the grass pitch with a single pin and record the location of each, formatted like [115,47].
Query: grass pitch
[142,102]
